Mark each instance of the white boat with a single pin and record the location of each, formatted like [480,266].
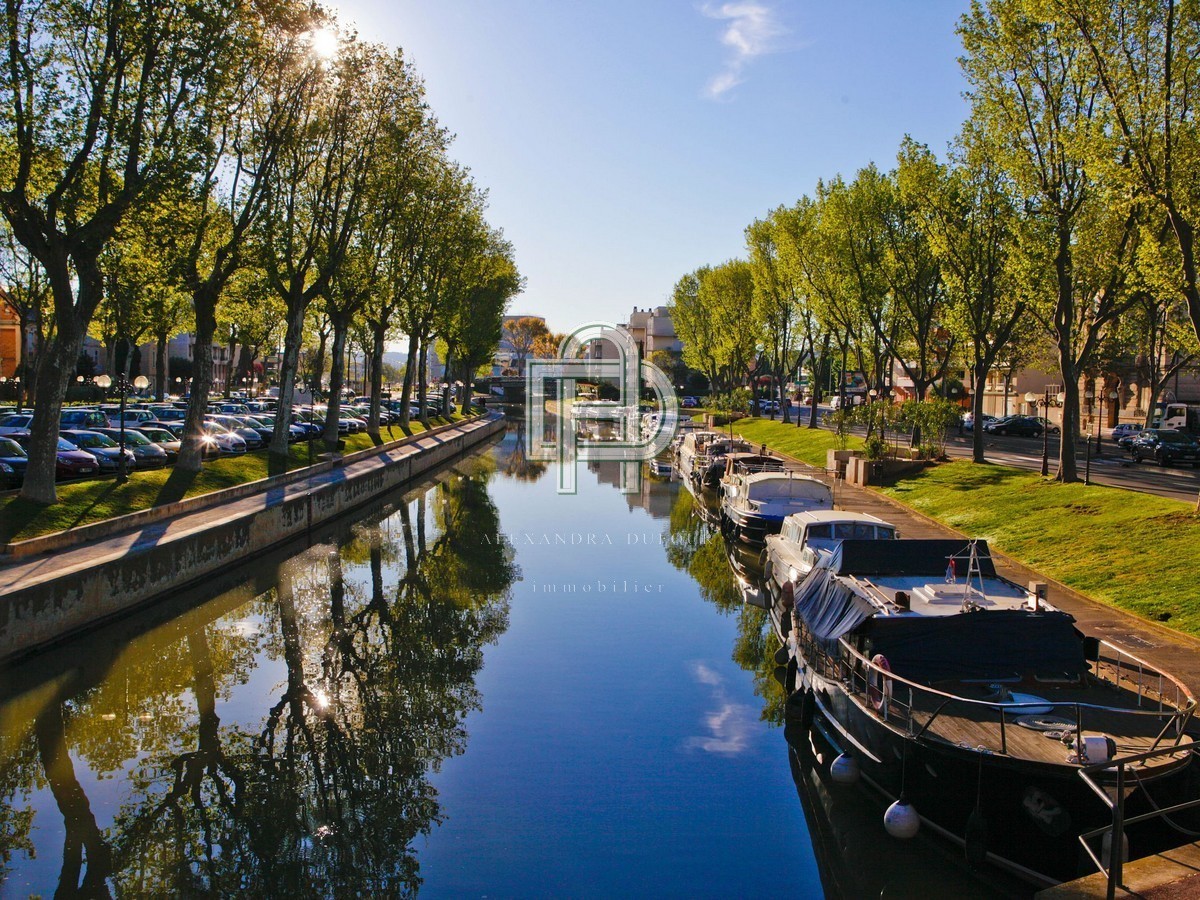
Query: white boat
[756,504]
[806,536]
[692,450]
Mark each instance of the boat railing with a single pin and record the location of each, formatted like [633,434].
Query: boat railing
[1115,801]
[1123,669]
[916,707]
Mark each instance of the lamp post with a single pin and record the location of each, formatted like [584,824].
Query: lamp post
[1087,442]
[123,386]
[1044,403]
[1112,400]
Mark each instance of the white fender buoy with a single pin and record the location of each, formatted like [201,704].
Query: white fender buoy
[844,769]
[901,820]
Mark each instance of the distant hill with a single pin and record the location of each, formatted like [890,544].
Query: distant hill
[395,358]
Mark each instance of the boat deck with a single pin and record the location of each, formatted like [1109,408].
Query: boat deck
[1133,730]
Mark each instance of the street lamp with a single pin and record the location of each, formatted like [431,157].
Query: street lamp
[1089,396]
[1112,400]
[123,385]
[1044,403]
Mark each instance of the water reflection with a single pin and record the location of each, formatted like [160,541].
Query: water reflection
[281,746]
[512,455]
[855,856]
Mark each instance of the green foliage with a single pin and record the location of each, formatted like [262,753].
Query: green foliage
[735,401]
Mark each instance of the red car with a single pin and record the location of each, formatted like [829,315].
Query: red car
[69,462]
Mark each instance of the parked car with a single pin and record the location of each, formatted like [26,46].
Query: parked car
[168,414]
[146,453]
[1124,429]
[267,421]
[81,419]
[1165,446]
[969,421]
[103,448]
[768,406]
[13,461]
[160,435]
[689,403]
[133,418]
[1026,426]
[1050,427]
[229,443]
[253,438]
[15,422]
[210,446]
[69,461]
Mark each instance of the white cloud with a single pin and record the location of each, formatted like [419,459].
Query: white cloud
[731,727]
[754,30]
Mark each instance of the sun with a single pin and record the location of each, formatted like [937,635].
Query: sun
[323,42]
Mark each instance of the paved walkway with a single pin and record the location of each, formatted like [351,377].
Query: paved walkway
[27,572]
[1167,649]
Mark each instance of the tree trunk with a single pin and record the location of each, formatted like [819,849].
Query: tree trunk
[55,373]
[74,308]
[191,453]
[378,333]
[230,369]
[162,375]
[422,399]
[333,408]
[979,378]
[277,460]
[1064,326]
[406,391]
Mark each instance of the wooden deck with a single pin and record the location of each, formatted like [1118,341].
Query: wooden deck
[969,725]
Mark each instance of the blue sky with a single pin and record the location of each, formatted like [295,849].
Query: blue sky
[624,144]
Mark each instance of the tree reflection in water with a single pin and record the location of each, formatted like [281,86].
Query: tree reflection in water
[513,456]
[696,548]
[379,643]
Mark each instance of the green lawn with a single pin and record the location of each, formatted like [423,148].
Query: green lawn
[1135,551]
[84,502]
[804,443]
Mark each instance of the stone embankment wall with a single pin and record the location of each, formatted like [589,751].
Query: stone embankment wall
[48,602]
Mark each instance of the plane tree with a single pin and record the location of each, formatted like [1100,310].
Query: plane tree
[100,102]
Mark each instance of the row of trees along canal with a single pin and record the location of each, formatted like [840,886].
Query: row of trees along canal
[1058,230]
[176,165]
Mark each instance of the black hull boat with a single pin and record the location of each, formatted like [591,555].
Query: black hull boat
[935,707]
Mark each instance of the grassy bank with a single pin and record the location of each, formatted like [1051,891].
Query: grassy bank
[1134,551]
[804,443]
[85,502]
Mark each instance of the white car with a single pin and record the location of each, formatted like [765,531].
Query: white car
[133,417]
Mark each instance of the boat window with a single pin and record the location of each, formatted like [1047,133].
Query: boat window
[843,531]
[820,531]
[885,534]
[863,531]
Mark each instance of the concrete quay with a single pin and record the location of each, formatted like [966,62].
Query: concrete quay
[71,585]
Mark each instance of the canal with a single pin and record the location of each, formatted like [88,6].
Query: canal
[479,688]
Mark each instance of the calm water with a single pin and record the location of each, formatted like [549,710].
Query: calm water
[482,688]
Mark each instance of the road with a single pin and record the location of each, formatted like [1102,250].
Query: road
[1112,467]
